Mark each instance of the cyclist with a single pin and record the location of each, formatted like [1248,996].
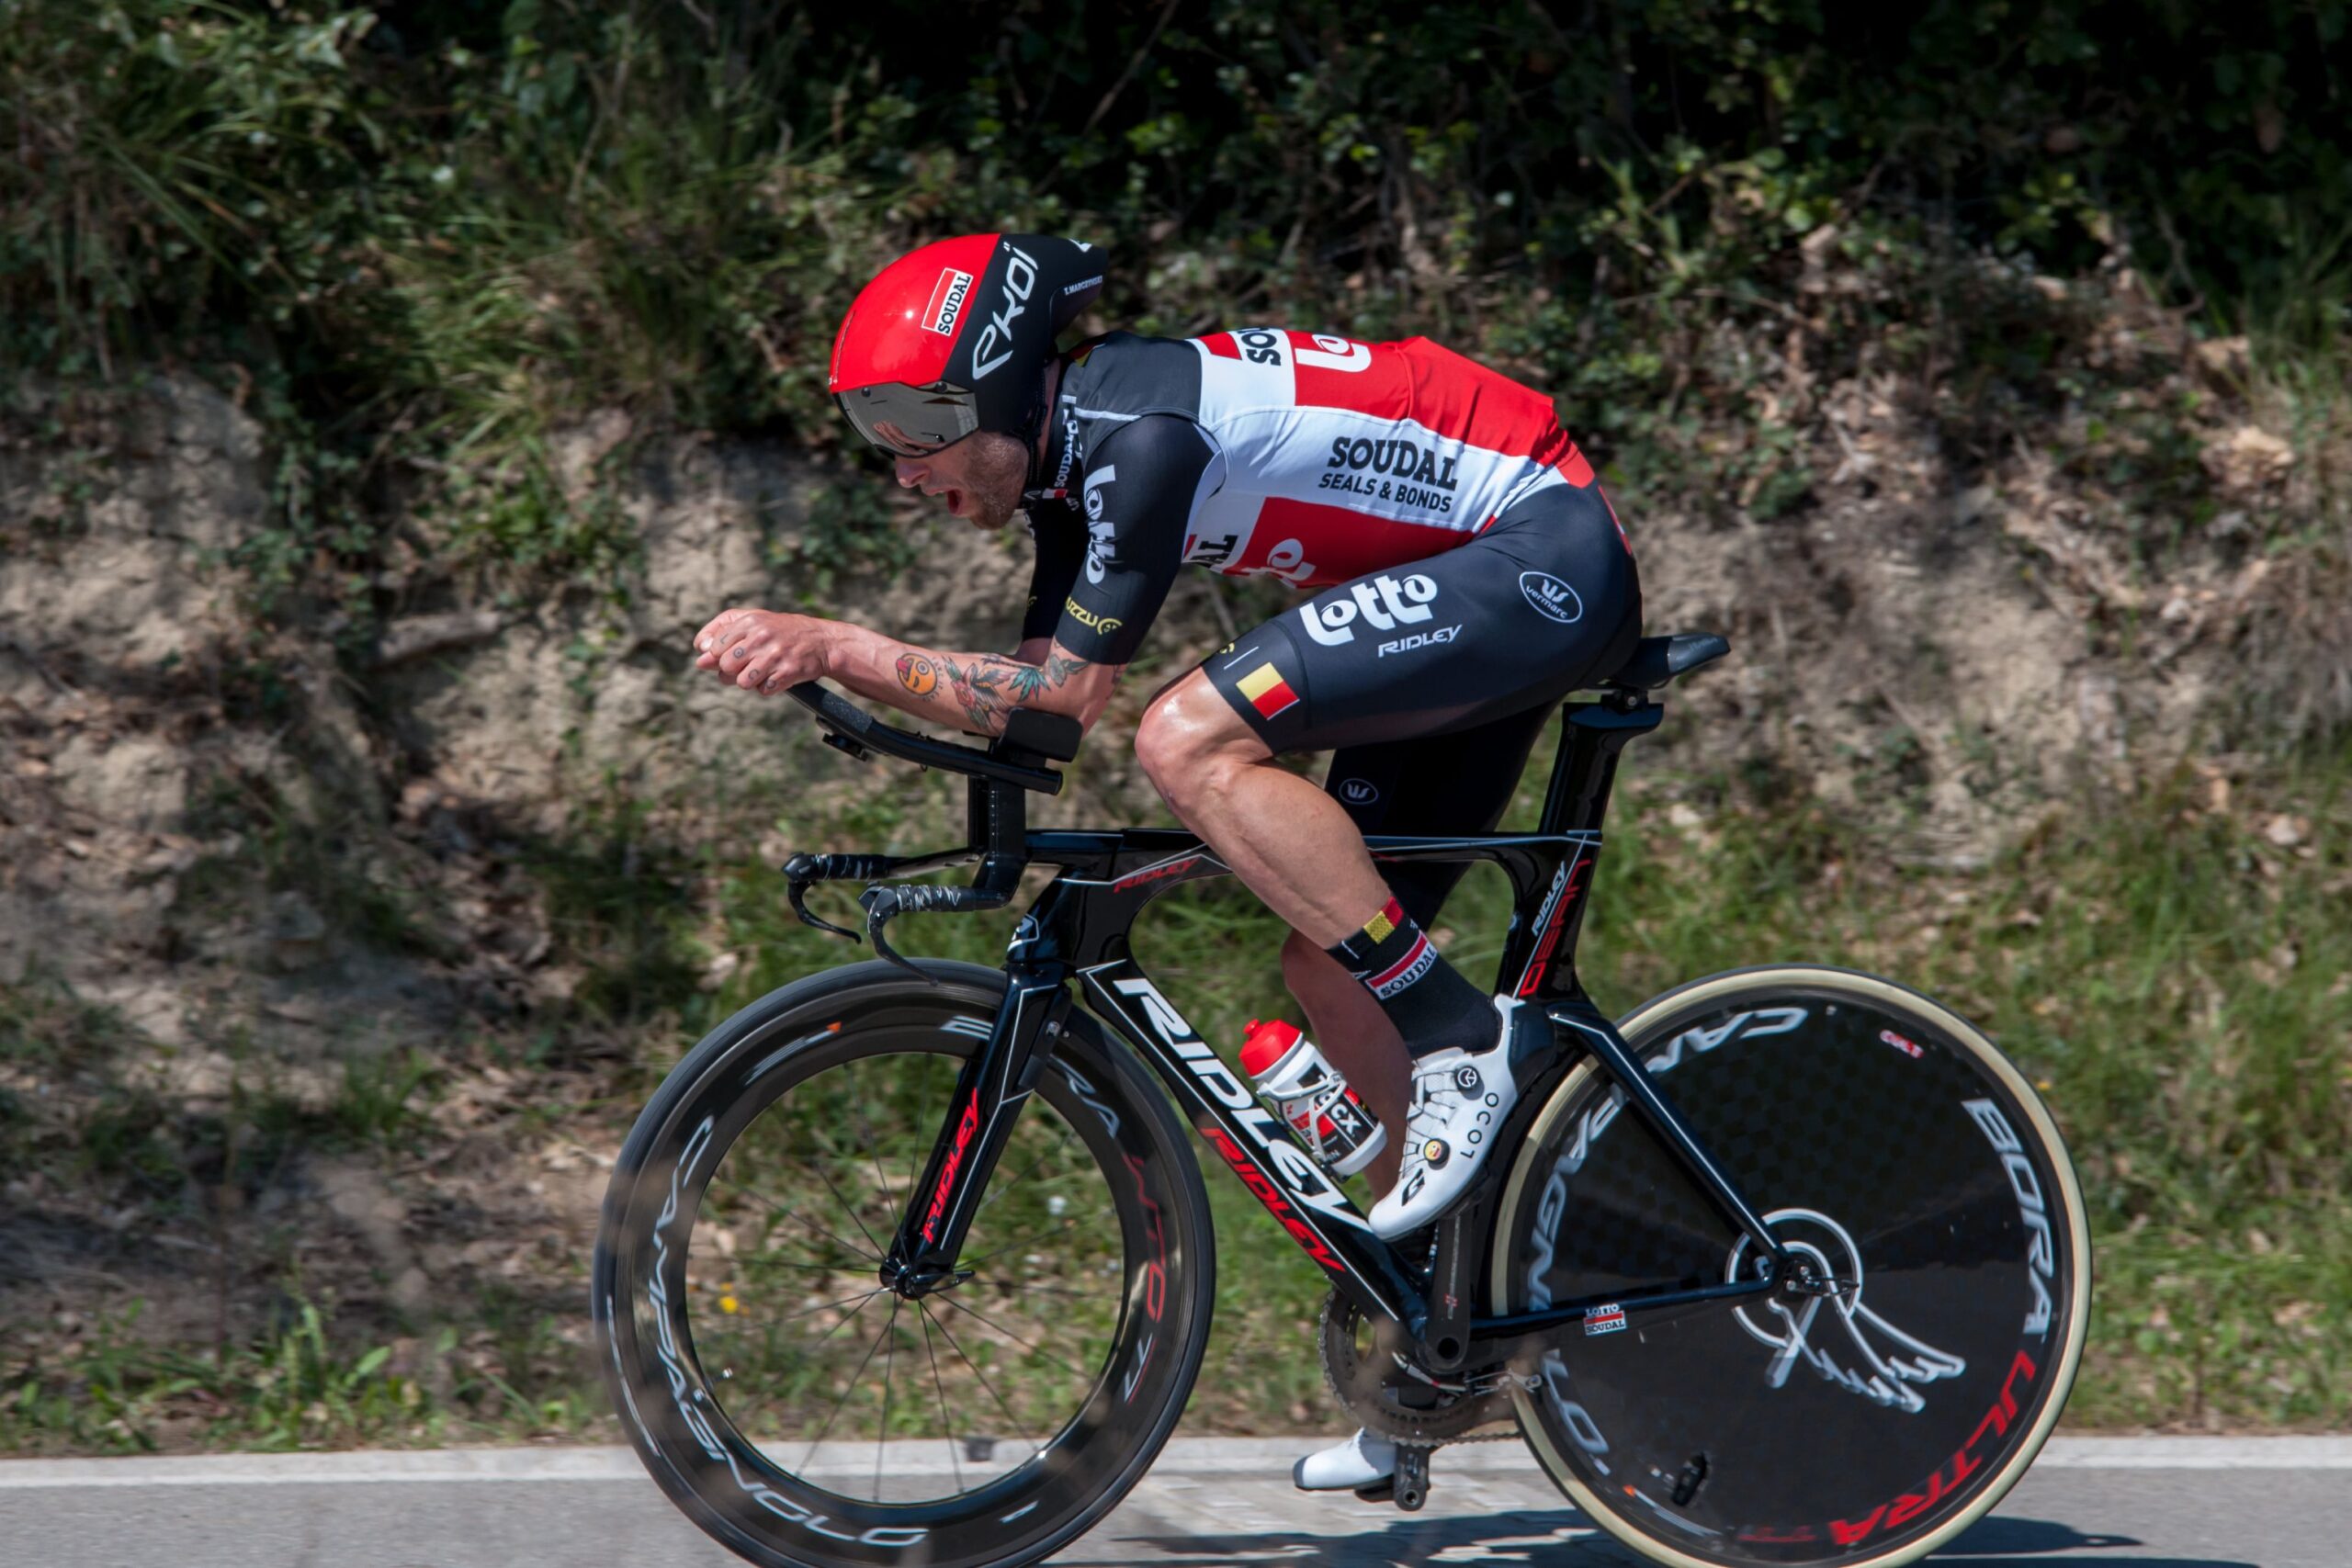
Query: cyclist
[1468,573]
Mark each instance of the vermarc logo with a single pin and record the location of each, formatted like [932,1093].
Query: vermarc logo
[1551,598]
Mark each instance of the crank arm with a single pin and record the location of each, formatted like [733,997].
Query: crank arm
[1453,1286]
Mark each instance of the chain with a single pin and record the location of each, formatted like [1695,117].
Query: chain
[1498,1391]
[1435,1444]
[1358,1387]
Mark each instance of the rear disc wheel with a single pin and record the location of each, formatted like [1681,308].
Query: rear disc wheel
[1890,1146]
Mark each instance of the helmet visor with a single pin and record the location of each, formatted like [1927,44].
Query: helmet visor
[911,421]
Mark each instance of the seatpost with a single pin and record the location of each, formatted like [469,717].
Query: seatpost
[1582,777]
[1586,769]
[1581,781]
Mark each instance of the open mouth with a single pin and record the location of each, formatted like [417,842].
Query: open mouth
[954,501]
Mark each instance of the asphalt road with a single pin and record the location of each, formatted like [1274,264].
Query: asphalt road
[2130,1503]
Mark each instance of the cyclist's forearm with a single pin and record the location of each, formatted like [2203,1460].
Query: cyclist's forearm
[969,690]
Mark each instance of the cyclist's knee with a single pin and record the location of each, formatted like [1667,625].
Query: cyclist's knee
[1189,735]
[1161,746]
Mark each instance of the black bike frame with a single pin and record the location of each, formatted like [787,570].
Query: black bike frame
[1077,929]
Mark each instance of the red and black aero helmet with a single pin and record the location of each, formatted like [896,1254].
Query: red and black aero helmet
[951,338]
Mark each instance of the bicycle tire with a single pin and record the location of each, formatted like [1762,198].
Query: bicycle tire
[1876,1129]
[653,1321]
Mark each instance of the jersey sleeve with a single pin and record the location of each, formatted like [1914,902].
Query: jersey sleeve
[1061,549]
[1141,488]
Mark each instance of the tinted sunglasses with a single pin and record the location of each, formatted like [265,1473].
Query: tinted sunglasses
[911,421]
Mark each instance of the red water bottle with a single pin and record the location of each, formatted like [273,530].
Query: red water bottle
[1308,1093]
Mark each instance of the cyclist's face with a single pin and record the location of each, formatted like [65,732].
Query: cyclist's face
[979,477]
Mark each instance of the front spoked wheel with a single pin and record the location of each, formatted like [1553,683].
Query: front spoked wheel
[803,1413]
[1894,1149]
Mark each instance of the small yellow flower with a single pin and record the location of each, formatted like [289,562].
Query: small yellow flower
[726,1303]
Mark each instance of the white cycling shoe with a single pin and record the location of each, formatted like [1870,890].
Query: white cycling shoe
[1459,1099]
[1364,1459]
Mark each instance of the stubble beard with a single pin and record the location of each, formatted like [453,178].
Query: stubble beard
[1000,471]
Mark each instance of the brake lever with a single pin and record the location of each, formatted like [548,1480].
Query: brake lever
[803,872]
[795,892]
[885,903]
[884,950]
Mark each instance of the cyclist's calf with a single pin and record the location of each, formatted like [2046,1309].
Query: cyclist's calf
[1356,1037]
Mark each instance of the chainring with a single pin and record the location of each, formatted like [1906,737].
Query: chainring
[1373,1383]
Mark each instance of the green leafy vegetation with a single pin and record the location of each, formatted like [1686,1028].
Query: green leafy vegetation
[419,236]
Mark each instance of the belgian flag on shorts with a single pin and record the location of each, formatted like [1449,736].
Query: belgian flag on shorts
[1267,691]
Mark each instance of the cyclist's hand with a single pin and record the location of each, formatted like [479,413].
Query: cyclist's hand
[762,651]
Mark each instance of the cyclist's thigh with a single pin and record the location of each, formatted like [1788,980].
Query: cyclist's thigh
[1460,783]
[1544,601]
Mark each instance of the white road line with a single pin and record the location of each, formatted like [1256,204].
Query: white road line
[2197,1453]
[1184,1456]
[358,1468]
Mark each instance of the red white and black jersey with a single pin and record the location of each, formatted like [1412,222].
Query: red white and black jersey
[1262,451]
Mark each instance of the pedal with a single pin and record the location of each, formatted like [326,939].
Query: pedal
[1411,1482]
[1380,1491]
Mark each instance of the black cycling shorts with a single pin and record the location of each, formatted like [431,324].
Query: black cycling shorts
[1476,646]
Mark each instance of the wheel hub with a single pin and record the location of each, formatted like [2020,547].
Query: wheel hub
[913,1284]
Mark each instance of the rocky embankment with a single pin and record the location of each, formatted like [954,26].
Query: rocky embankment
[1933,656]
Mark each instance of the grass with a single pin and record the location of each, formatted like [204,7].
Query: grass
[160,1282]
[2170,963]
[101,1384]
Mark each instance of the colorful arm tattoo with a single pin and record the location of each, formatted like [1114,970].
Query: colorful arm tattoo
[982,688]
